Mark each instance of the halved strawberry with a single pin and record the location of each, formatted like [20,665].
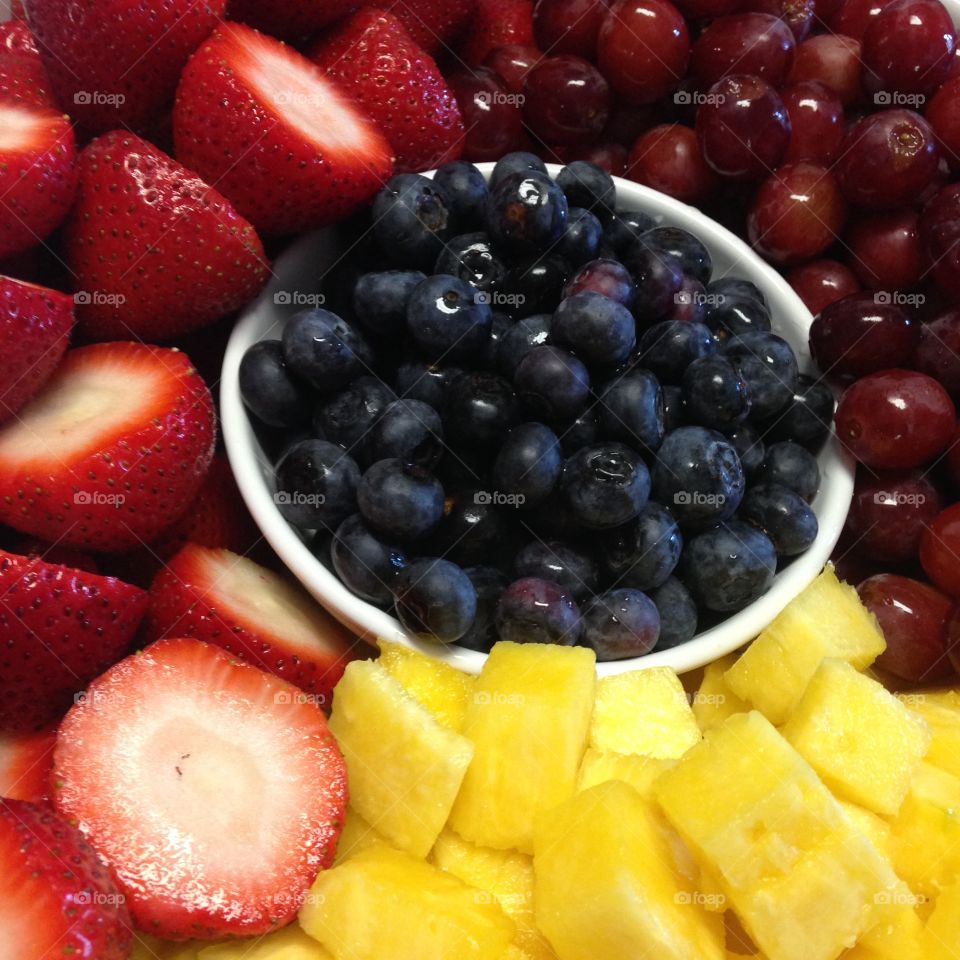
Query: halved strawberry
[220,597]
[214,791]
[288,19]
[155,251]
[60,629]
[57,900]
[111,451]
[23,77]
[57,553]
[115,63]
[26,761]
[35,325]
[398,85]
[498,23]
[38,177]
[282,141]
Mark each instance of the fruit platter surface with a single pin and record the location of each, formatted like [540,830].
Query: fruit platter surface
[479,480]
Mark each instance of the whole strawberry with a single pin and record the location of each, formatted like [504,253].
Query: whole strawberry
[23,77]
[436,25]
[399,86]
[288,19]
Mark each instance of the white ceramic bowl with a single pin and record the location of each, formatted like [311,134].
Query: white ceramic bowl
[301,268]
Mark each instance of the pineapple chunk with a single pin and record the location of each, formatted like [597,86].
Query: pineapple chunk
[898,938]
[643,712]
[528,719]
[714,701]
[802,879]
[926,832]
[404,768]
[862,741]
[290,943]
[146,947]
[356,835]
[874,828]
[639,772]
[942,936]
[442,689]
[504,874]
[943,719]
[826,620]
[384,904]
[605,885]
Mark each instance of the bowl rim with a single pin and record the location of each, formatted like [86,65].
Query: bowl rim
[249,465]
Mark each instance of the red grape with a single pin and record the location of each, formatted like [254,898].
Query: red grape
[755,43]
[708,9]
[940,236]
[611,157]
[628,121]
[938,352]
[668,159]
[854,16]
[567,100]
[816,122]
[833,61]
[953,460]
[569,26]
[885,250]
[822,282]
[491,114]
[512,63]
[940,550]
[943,114]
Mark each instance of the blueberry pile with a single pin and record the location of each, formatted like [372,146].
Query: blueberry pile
[527,415]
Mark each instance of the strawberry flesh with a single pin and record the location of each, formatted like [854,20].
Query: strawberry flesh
[26,762]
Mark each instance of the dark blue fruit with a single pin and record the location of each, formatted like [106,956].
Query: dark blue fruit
[474,529]
[581,431]
[749,445]
[734,287]
[689,302]
[526,212]
[620,624]
[380,301]
[631,409]
[500,324]
[625,227]
[605,485]
[470,257]
[528,465]
[644,552]
[534,285]
[348,416]
[411,220]
[783,515]
[532,610]
[658,277]
[715,393]
[400,500]
[465,188]
[599,330]
[520,339]
[489,584]
[435,600]
[367,566]
[668,348]
[317,484]
[678,614]
[419,380]
[570,567]
[808,418]
[730,313]
[552,384]
[673,413]
[609,277]
[517,162]
[769,366]
[408,430]
[448,319]
[479,408]
[581,237]
[269,389]
[324,350]
[793,466]
[694,257]
[588,186]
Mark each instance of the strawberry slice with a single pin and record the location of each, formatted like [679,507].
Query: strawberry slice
[61,628]
[214,791]
[167,255]
[399,86]
[111,450]
[222,598]
[35,325]
[23,77]
[436,25]
[284,143]
[57,900]
[288,19]
[26,762]
[38,177]
[115,63]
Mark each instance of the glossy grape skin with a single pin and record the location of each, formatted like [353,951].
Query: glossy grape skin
[605,486]
[940,236]
[884,250]
[854,16]
[895,419]
[833,61]
[816,122]
[943,114]
[532,610]
[528,463]
[940,550]
[567,100]
[607,155]
[658,276]
[491,115]
[366,565]
[513,63]
[822,282]
[569,26]
[607,277]
[435,600]
[668,158]
[620,624]
[938,351]
[914,618]
[571,568]
[678,613]
[551,383]
[755,43]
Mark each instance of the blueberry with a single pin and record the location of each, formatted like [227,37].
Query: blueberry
[479,408]
[465,188]
[808,418]
[448,319]
[689,302]
[380,301]
[408,430]
[715,393]
[411,220]
[532,610]
[581,237]
[694,257]
[324,350]
[489,583]
[473,529]
[658,277]
[552,384]
[668,348]
[730,314]
[400,500]
[783,515]
[699,476]
[317,485]
[644,552]
[520,339]
[533,286]
[348,416]
[678,614]
[470,257]
[626,226]
[366,565]
[793,466]
[417,380]
[631,409]
[270,390]
[769,366]
[500,325]
[528,464]
[609,277]
[605,485]
[674,414]
[749,446]
[588,186]
[599,330]
[729,566]
[460,468]
[517,162]
[582,431]
[526,212]
[571,568]
[620,624]
[736,288]
[435,600]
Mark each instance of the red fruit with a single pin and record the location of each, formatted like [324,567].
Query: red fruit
[833,61]
[61,628]
[371,56]
[940,236]
[35,325]
[816,123]
[667,158]
[953,460]
[940,550]
[111,451]
[822,282]
[115,63]
[56,553]
[567,100]
[756,43]
[26,762]
[611,157]
[155,252]
[37,174]
[23,77]
[288,19]
[56,898]
[214,791]
[436,25]
[495,24]
[491,114]
[569,26]
[938,351]
[285,144]
[222,598]
[943,114]
[854,16]
[512,63]
[885,251]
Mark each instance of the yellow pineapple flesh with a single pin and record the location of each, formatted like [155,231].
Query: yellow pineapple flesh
[640,772]
[896,938]
[943,718]
[357,835]
[873,827]
[714,700]
[404,768]
[290,943]
[941,939]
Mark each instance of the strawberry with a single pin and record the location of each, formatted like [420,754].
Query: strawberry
[111,451]
[26,761]
[61,628]
[283,142]
[35,325]
[288,19]
[57,553]
[498,23]
[222,598]
[57,900]
[115,63]
[38,177]
[155,251]
[213,790]
[399,86]
[23,77]
[434,24]
[16,10]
